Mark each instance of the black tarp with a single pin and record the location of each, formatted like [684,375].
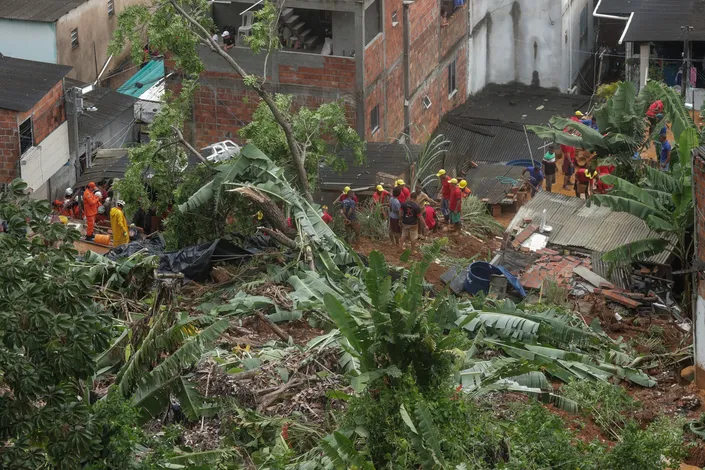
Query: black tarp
[195,262]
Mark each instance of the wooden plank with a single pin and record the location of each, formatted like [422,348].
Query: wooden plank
[594,279]
[83,246]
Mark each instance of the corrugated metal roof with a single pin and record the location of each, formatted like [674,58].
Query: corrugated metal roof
[486,182]
[594,228]
[107,164]
[46,11]
[657,20]
[110,105]
[23,83]
[146,78]
[381,157]
[619,276]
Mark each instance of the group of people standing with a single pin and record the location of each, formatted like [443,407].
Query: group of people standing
[410,213]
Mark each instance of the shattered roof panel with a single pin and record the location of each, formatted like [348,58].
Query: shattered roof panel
[594,228]
[381,157]
[491,181]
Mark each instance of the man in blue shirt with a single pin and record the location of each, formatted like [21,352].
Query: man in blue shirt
[535,178]
[665,157]
[394,208]
[352,226]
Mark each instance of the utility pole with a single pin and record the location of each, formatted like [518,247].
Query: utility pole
[686,59]
[74,99]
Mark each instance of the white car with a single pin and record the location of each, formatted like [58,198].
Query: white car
[220,151]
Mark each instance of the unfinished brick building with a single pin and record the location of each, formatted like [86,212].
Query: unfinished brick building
[398,66]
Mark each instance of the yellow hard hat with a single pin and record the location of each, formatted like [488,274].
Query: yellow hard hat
[346,189]
[462,184]
[64,220]
[380,187]
[425,203]
[441,172]
[260,215]
[453,181]
[325,208]
[579,114]
[400,182]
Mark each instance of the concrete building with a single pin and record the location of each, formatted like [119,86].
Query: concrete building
[66,32]
[654,37]
[543,42]
[397,66]
[34,142]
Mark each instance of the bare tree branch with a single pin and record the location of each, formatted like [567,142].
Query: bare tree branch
[183,141]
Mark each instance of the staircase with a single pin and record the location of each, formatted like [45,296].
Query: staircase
[298,28]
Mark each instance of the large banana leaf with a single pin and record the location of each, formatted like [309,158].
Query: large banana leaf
[636,251]
[662,181]
[686,143]
[623,204]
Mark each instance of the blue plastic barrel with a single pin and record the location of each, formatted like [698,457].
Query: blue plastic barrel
[521,162]
[479,276]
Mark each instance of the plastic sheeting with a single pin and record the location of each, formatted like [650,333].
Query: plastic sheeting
[195,262]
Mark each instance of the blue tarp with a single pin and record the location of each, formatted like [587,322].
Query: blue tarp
[145,79]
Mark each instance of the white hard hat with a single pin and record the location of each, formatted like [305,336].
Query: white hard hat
[98,194]
[69,192]
[120,202]
[107,200]
[101,209]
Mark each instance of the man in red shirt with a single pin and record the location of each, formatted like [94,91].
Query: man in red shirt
[405,192]
[327,218]
[344,195]
[655,114]
[577,116]
[445,194]
[380,196]
[455,205]
[430,217]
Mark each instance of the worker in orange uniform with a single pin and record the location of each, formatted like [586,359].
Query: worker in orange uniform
[327,218]
[445,194]
[91,201]
[380,196]
[118,222]
[464,190]
[455,205]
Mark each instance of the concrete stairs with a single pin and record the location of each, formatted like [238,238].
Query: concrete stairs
[298,28]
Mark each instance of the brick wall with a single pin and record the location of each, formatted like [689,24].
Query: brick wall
[374,60]
[393,35]
[337,73]
[456,29]
[47,115]
[375,97]
[424,22]
[9,145]
[395,102]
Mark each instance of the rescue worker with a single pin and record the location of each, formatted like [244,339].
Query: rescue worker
[445,194]
[380,196]
[394,222]
[410,213]
[583,178]
[352,225]
[91,201]
[327,218]
[344,195]
[430,217]
[421,196]
[455,205]
[405,192]
[577,116]
[102,216]
[118,222]
[464,190]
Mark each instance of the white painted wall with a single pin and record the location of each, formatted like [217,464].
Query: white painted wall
[29,40]
[40,163]
[516,40]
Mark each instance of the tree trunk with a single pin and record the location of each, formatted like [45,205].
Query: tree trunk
[270,210]
[264,94]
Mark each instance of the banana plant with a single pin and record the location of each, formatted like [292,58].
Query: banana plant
[663,200]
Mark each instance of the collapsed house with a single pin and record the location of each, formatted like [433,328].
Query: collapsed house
[563,239]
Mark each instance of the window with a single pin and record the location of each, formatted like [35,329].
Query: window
[452,88]
[426,102]
[111,8]
[26,136]
[584,28]
[374,119]
[373,21]
[395,18]
[74,38]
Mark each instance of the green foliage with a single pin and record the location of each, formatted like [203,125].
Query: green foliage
[372,224]
[320,135]
[425,165]
[157,168]
[477,219]
[264,33]
[642,449]
[607,404]
[607,90]
[49,333]
[210,221]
